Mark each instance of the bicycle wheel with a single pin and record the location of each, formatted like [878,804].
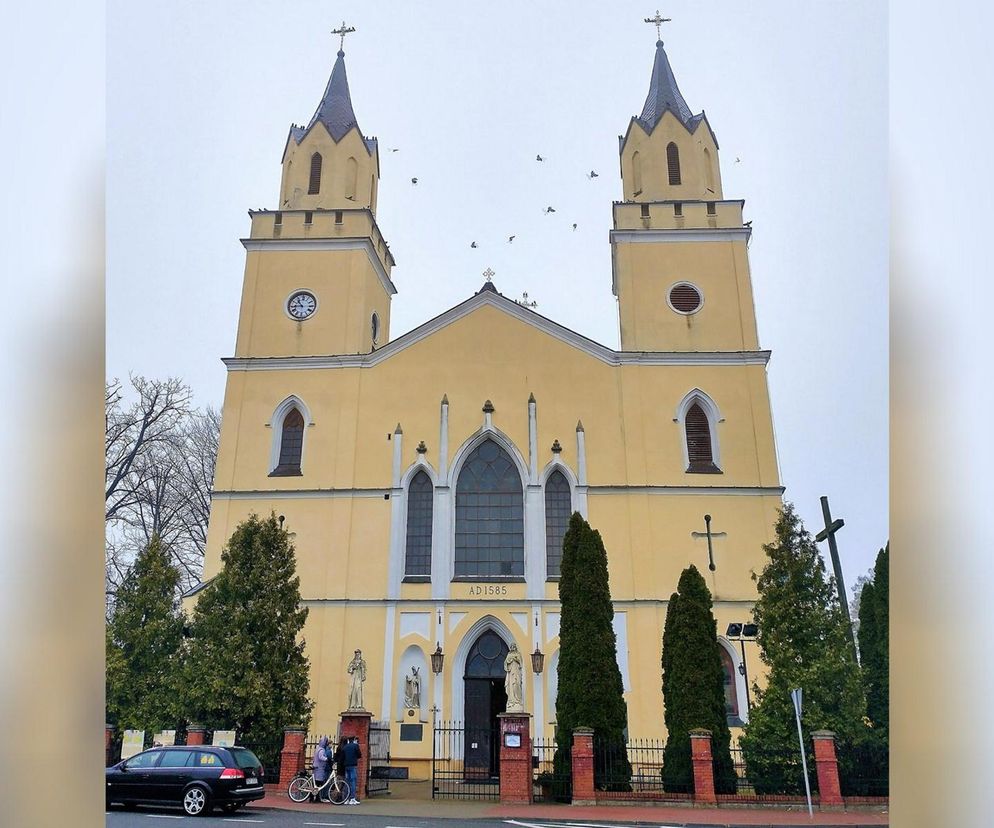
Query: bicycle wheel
[339,791]
[300,788]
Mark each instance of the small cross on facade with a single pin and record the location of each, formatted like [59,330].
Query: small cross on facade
[658,21]
[344,30]
[488,274]
[828,533]
[707,533]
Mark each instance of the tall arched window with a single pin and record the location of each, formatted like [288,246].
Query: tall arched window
[708,170]
[315,183]
[673,162]
[636,174]
[291,444]
[490,528]
[351,176]
[731,691]
[558,508]
[420,494]
[700,458]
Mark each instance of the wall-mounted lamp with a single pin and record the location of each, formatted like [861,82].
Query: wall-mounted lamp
[538,661]
[437,659]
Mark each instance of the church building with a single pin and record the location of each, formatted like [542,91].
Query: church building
[428,479]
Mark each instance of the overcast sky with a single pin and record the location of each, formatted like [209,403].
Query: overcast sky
[201,95]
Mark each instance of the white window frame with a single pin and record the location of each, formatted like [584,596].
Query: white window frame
[711,411]
[276,424]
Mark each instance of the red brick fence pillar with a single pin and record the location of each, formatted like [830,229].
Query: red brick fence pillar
[700,755]
[583,766]
[515,758]
[356,723]
[196,734]
[829,789]
[292,755]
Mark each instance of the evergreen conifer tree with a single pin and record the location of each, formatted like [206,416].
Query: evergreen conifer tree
[246,670]
[803,643]
[874,617]
[144,639]
[693,685]
[590,685]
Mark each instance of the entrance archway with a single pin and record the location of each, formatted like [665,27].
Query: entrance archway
[485,697]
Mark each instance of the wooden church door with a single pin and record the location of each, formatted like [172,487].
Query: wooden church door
[485,698]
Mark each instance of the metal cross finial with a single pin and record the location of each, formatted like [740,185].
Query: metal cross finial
[488,274]
[344,30]
[658,21]
[828,533]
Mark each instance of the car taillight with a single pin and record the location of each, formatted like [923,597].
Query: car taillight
[232,773]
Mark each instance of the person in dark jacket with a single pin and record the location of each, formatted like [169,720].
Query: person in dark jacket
[351,754]
[320,766]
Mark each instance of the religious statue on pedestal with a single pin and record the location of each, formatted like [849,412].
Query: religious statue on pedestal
[514,681]
[412,690]
[357,670]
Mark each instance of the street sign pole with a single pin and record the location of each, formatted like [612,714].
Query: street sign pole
[796,697]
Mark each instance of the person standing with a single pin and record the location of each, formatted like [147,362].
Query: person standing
[320,766]
[351,754]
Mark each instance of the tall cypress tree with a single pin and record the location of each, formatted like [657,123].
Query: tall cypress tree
[590,685]
[874,618]
[693,685]
[246,668]
[803,643]
[144,640]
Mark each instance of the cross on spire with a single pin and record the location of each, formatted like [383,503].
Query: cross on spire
[344,30]
[488,274]
[658,21]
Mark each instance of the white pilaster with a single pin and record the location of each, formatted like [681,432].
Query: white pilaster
[441,541]
[398,528]
[443,440]
[538,681]
[389,638]
[437,681]
[581,470]
[532,441]
[398,444]
[535,563]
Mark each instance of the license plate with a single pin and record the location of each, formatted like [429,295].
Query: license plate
[251,781]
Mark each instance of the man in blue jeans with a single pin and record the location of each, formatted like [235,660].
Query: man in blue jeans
[351,755]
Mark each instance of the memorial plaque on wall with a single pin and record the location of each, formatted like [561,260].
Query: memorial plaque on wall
[411,732]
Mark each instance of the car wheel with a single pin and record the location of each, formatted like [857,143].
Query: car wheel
[196,801]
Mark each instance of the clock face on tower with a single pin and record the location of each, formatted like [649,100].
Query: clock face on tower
[301,304]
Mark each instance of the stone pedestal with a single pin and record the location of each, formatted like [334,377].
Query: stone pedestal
[515,758]
[292,755]
[583,766]
[700,755]
[827,766]
[356,723]
[196,734]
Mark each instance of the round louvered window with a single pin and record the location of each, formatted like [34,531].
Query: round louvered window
[685,298]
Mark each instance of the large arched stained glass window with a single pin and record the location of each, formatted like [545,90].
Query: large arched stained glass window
[490,527]
[291,445]
[419,507]
[558,507]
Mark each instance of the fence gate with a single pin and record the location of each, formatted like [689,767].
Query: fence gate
[465,762]
[378,780]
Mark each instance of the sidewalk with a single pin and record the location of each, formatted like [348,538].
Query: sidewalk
[424,807]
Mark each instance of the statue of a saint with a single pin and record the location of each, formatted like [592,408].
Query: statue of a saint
[412,689]
[356,669]
[514,681]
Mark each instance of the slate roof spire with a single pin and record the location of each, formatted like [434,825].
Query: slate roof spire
[335,110]
[664,94]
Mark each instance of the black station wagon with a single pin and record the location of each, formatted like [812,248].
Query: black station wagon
[197,777]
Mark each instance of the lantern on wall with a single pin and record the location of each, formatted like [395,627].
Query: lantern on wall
[538,661]
[437,658]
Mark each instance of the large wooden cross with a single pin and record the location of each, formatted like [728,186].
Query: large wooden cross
[828,533]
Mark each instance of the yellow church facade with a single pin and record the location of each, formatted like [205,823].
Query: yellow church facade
[428,479]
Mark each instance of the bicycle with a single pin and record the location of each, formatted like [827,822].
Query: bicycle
[304,785]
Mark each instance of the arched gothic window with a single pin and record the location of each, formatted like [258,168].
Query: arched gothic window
[490,529]
[558,508]
[291,444]
[315,183]
[673,162]
[700,457]
[420,494]
[731,690]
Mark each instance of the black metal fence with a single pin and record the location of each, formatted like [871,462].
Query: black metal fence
[634,770]
[269,752]
[771,775]
[864,768]
[465,762]
[552,779]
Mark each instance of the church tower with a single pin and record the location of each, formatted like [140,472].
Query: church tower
[680,265]
[317,272]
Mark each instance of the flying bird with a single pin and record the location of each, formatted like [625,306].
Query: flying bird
[414,181]
[473,244]
[539,158]
[747,224]
[510,239]
[737,159]
[592,174]
[574,225]
[549,210]
[394,149]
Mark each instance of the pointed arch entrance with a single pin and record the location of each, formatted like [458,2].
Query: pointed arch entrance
[485,697]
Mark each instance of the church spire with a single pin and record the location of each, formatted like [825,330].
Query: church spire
[335,110]
[664,94]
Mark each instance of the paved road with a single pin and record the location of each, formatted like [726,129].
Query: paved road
[339,817]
